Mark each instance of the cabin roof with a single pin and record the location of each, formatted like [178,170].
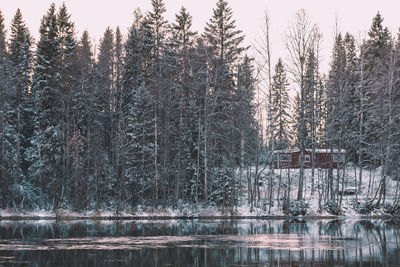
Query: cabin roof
[318,150]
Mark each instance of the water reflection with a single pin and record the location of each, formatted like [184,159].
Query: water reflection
[199,243]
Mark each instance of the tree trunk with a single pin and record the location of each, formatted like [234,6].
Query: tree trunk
[155,155]
[301,176]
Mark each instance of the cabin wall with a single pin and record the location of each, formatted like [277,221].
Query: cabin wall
[322,161]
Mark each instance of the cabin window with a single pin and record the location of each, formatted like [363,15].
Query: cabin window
[307,158]
[275,157]
[337,158]
[285,157]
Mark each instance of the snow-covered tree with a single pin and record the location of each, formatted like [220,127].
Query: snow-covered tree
[137,108]
[47,150]
[20,102]
[245,135]
[9,155]
[184,109]
[82,158]
[67,85]
[226,42]
[281,104]
[154,27]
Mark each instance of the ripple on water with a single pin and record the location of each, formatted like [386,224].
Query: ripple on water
[293,242]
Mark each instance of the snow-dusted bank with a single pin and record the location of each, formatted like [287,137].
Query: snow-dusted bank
[200,213]
[316,202]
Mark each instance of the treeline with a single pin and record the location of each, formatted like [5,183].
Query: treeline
[165,116]
[159,118]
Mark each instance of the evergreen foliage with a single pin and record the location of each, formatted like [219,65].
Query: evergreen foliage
[281,113]
[165,116]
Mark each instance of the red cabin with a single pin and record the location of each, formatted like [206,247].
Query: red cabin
[290,158]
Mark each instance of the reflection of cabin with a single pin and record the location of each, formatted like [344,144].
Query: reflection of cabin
[290,158]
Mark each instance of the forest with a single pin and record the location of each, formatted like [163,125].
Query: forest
[166,117]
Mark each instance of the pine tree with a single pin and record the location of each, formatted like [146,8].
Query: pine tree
[105,86]
[47,149]
[83,64]
[68,85]
[199,103]
[280,100]
[381,88]
[245,136]
[8,154]
[351,100]
[184,109]
[335,102]
[117,125]
[376,57]
[21,106]
[104,176]
[311,82]
[321,113]
[375,81]
[154,27]
[82,112]
[182,30]
[226,42]
[21,59]
[307,120]
[394,164]
[138,117]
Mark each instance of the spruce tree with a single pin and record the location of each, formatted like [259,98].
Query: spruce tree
[67,86]
[21,59]
[104,176]
[375,67]
[138,118]
[117,120]
[310,88]
[82,159]
[200,102]
[351,100]
[245,137]
[394,166]
[226,42]
[47,149]
[185,109]
[335,103]
[375,96]
[21,106]
[8,154]
[280,101]
[154,45]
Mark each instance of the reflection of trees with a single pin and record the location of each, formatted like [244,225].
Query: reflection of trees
[334,227]
[295,226]
[363,242]
[378,242]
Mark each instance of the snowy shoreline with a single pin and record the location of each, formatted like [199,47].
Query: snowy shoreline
[64,215]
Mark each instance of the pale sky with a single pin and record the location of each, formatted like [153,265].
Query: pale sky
[355,16]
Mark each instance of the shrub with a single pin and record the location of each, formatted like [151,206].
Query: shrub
[295,208]
[333,207]
[391,209]
[363,207]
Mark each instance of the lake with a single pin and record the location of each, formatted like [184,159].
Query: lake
[247,242]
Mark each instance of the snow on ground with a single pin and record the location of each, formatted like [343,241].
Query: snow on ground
[7,213]
[370,183]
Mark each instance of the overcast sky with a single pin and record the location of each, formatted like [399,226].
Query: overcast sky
[355,16]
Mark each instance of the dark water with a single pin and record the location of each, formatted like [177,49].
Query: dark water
[200,243]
